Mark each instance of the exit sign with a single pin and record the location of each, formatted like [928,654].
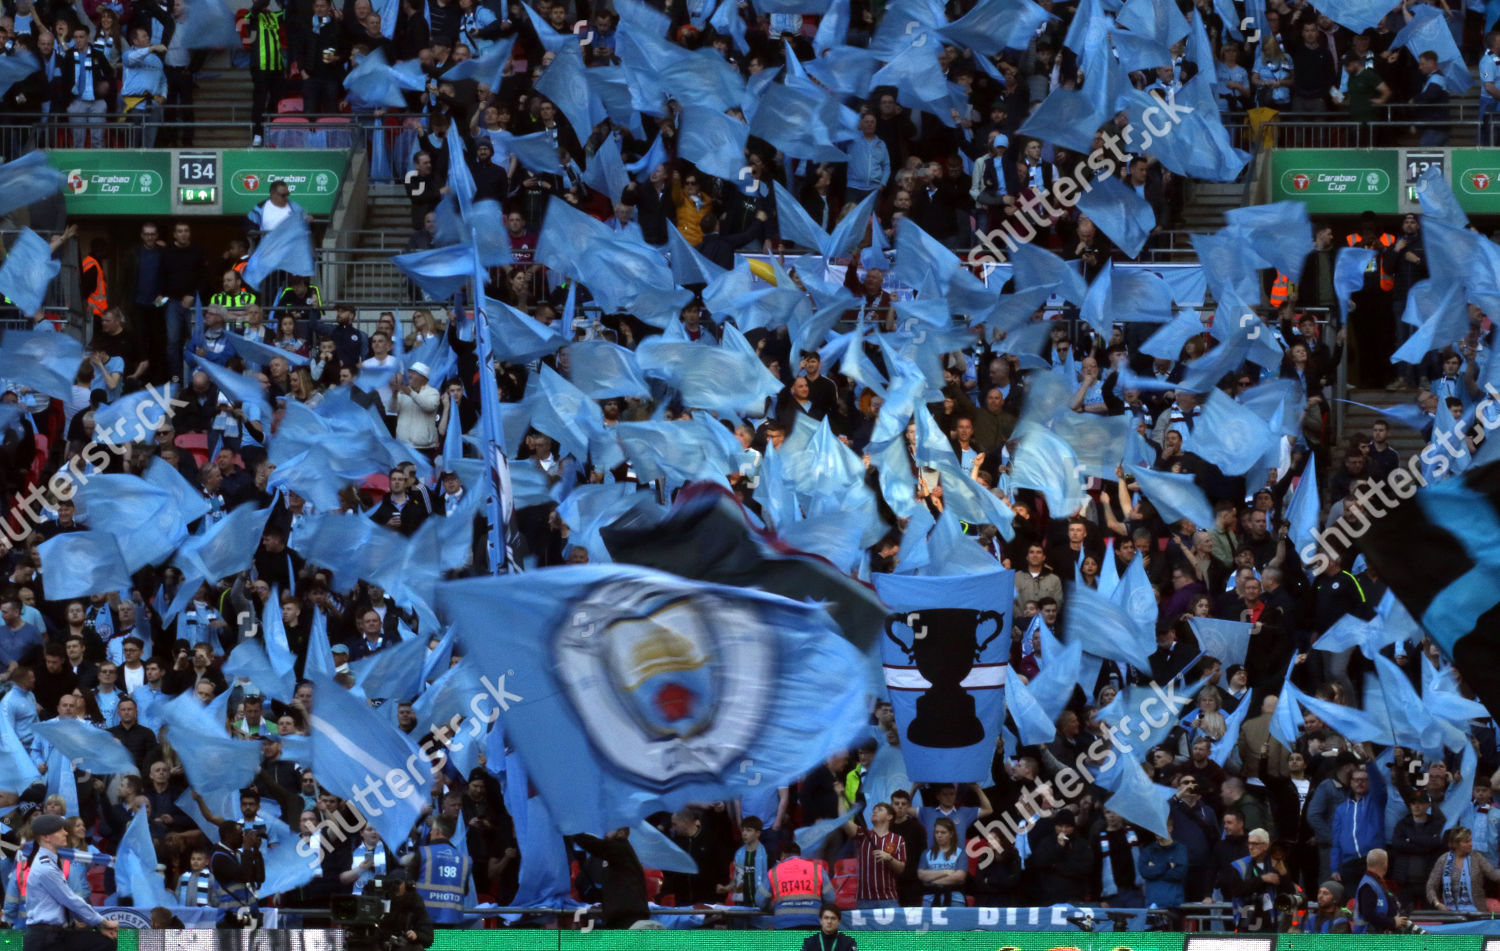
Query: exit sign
[198,196]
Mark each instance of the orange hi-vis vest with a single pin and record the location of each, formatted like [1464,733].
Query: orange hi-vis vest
[1281,289]
[797,888]
[99,299]
[1387,280]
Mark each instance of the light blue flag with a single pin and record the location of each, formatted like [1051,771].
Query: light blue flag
[286,868]
[1446,323]
[14,67]
[145,887]
[727,21]
[441,272]
[969,614]
[1106,629]
[27,178]
[518,337]
[1140,801]
[257,354]
[810,838]
[460,692]
[718,379]
[1280,234]
[1349,274]
[236,387]
[1035,267]
[688,266]
[1357,15]
[354,748]
[394,673]
[1302,511]
[564,82]
[629,743]
[62,782]
[188,502]
[224,548]
[28,271]
[1045,462]
[42,360]
[1138,52]
[1433,192]
[1176,496]
[1353,723]
[1200,49]
[1412,725]
[319,665]
[844,69]
[714,142]
[1066,117]
[287,247]
[801,122]
[552,41]
[994,25]
[606,171]
[564,412]
[250,660]
[656,155]
[1286,721]
[487,67]
[1223,746]
[1120,213]
[1162,21]
[78,564]
[86,746]
[214,762]
[545,880]
[536,152]
[1229,435]
[1427,31]
[602,370]
[144,519]
[1229,641]
[374,84]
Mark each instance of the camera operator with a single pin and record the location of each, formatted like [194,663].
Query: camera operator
[1374,904]
[407,926]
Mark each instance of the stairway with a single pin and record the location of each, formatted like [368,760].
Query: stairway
[387,226]
[222,95]
[1357,419]
[1207,203]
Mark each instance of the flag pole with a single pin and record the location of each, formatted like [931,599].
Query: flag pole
[491,438]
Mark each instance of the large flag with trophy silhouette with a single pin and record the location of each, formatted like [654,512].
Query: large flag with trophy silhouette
[945,648]
[1438,548]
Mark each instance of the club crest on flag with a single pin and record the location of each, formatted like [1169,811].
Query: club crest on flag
[650,668]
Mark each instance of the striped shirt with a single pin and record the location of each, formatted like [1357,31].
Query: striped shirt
[268,54]
[877,881]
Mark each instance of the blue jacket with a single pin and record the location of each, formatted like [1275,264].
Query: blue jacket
[1164,867]
[1359,824]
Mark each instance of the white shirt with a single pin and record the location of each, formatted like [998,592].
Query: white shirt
[271,216]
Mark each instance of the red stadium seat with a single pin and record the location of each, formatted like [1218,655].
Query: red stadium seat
[195,443]
[290,104]
[286,133]
[654,879]
[845,883]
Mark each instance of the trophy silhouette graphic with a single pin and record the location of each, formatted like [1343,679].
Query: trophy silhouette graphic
[945,646]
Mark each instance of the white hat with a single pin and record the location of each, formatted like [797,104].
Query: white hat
[422,368]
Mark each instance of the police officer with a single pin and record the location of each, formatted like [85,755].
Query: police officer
[54,914]
[442,874]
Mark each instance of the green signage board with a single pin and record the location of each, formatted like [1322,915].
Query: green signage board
[115,181]
[313,175]
[1337,181]
[1475,174]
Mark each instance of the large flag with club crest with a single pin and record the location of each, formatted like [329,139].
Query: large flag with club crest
[944,649]
[627,691]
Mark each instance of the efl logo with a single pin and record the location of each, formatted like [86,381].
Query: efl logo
[251,182]
[1481,181]
[1300,182]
